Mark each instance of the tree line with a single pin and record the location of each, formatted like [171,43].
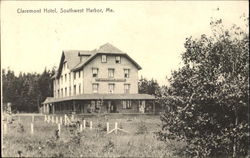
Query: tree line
[26,91]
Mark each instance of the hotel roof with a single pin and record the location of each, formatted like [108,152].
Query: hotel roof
[74,62]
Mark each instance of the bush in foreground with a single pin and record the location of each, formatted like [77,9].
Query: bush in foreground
[209,95]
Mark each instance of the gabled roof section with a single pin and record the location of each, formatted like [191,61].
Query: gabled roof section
[105,49]
[108,48]
[75,62]
[72,57]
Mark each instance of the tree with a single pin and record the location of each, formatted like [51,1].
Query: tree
[149,87]
[209,94]
[45,85]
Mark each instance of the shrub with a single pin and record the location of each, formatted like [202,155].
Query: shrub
[75,136]
[51,143]
[101,127]
[109,146]
[141,128]
[58,155]
[57,134]
[20,128]
[209,95]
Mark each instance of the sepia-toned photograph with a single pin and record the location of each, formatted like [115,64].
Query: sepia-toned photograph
[125,79]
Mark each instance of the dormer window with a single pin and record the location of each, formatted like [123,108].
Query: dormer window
[95,72]
[104,58]
[118,59]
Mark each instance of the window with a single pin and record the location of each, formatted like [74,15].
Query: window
[95,72]
[111,73]
[65,77]
[61,79]
[118,59]
[126,88]
[66,92]
[74,89]
[80,89]
[126,104]
[61,92]
[74,75]
[95,87]
[58,82]
[79,74]
[104,58]
[111,87]
[126,73]
[58,93]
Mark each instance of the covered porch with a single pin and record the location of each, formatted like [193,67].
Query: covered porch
[100,103]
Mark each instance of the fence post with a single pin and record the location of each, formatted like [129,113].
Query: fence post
[33,118]
[59,128]
[8,118]
[72,117]
[48,119]
[84,124]
[107,127]
[56,119]
[52,119]
[5,128]
[80,127]
[45,118]
[32,128]
[65,121]
[116,128]
[61,120]
[90,125]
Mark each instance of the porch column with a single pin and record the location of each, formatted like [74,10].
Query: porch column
[109,106]
[47,108]
[153,107]
[74,105]
[53,108]
[44,108]
[60,107]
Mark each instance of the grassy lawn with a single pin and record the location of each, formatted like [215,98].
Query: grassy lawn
[139,142]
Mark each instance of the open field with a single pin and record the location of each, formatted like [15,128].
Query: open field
[139,142]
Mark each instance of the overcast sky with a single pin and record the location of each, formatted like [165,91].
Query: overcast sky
[152,33]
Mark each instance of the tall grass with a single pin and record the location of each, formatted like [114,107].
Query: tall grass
[89,143]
